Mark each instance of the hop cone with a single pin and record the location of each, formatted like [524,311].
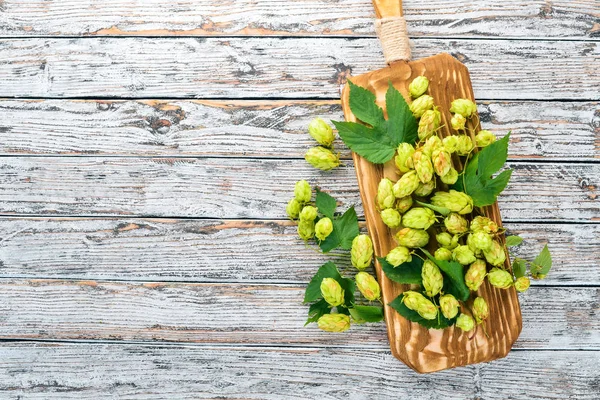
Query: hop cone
[451,177]
[481,240]
[442,162]
[480,309]
[391,217]
[385,194]
[302,191]
[321,132]
[522,284]
[495,255]
[455,201]
[368,286]
[420,105]
[404,153]
[484,224]
[433,281]
[419,303]
[418,218]
[464,146]
[423,166]
[465,322]
[308,213]
[409,237]
[500,278]
[418,86]
[475,275]
[428,123]
[398,256]
[443,254]
[323,228]
[361,252]
[293,209]
[446,240]
[322,158]
[449,306]
[463,255]
[431,144]
[458,122]
[450,144]
[455,223]
[406,185]
[334,322]
[425,189]
[478,253]
[306,229]
[484,138]
[464,107]
[332,292]
[404,204]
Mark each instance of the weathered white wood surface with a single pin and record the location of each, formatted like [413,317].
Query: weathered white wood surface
[535,18]
[137,249]
[275,67]
[540,129]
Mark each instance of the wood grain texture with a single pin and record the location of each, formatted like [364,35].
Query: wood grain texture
[274,67]
[554,318]
[229,251]
[249,188]
[536,18]
[542,130]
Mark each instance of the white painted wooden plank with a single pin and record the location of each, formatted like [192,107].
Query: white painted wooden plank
[228,251]
[249,188]
[275,67]
[495,18]
[545,130]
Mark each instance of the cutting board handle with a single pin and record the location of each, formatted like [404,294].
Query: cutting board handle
[391,30]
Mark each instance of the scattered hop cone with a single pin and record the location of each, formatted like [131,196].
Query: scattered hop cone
[429,123]
[478,253]
[464,107]
[449,306]
[465,322]
[334,323]
[423,166]
[450,144]
[308,213]
[500,278]
[443,254]
[420,105]
[463,255]
[495,255]
[409,237]
[475,275]
[419,303]
[433,281]
[321,132]
[361,252]
[480,310]
[293,209]
[465,145]
[484,224]
[450,178]
[322,158]
[391,217]
[398,256]
[418,218]
[425,189]
[522,284]
[302,191]
[306,229]
[418,86]
[404,153]
[406,185]
[455,223]
[446,240]
[385,194]
[484,138]
[368,286]
[323,228]
[404,204]
[458,122]
[481,240]
[431,144]
[455,201]
[332,292]
[442,162]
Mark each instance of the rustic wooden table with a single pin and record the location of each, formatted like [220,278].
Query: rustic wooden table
[147,153]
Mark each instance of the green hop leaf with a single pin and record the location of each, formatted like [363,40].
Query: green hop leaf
[512,241]
[440,322]
[317,310]
[366,313]
[407,273]
[326,204]
[519,267]
[455,284]
[345,229]
[542,263]
[329,270]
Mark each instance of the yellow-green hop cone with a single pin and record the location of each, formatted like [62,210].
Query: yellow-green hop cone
[522,284]
[409,237]
[293,209]
[420,105]
[429,123]
[431,144]
[406,185]
[425,189]
[423,166]
[322,158]
[481,240]
[454,201]
[404,153]
[464,107]
[321,132]
[465,145]
[323,228]
[334,323]
[398,256]
[465,322]
[332,292]
[446,240]
[308,213]
[302,191]
[480,310]
[362,252]
[450,178]
[449,306]
[500,278]
[458,122]
[419,303]
[385,194]
[495,255]
[391,217]
[478,253]
[450,143]
[442,162]
[368,286]
[433,281]
[443,254]
[463,255]
[484,224]
[455,223]
[418,218]
[418,86]
[475,275]
[306,229]
[404,204]
[484,138]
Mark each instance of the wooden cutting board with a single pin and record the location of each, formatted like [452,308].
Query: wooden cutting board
[421,349]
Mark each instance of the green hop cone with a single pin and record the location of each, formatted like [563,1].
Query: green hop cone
[391,217]
[418,86]
[478,253]
[475,275]
[334,323]
[404,204]
[481,240]
[465,145]
[332,292]
[449,306]
[484,138]
[418,218]
[450,144]
[450,178]
[368,286]
[302,191]
[429,123]
[322,158]
[420,105]
[495,255]
[398,256]
[455,223]
[442,162]
[423,166]
[458,122]
[404,153]
[293,209]
[323,228]
[409,237]
[306,229]
[480,310]
[361,252]
[465,322]
[443,254]
[431,144]
[321,132]
[308,213]
[500,278]
[463,255]
[464,107]
[455,201]
[484,224]
[385,194]
[446,240]
[522,284]
[433,281]
[425,189]
[406,185]
[419,303]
